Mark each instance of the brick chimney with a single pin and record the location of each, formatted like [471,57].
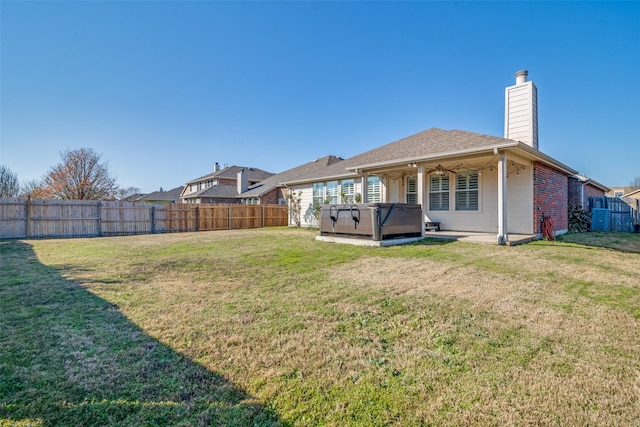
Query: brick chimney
[521,111]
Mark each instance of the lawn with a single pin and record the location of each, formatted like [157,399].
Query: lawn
[268,327]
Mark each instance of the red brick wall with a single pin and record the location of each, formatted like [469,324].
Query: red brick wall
[589,191]
[574,185]
[551,194]
[271,198]
[592,191]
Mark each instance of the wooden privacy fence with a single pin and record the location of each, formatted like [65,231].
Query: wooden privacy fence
[614,214]
[34,218]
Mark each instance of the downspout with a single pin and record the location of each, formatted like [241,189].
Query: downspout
[582,193]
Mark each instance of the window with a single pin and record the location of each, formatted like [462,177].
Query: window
[618,194]
[467,191]
[412,190]
[348,191]
[373,190]
[439,192]
[318,193]
[332,192]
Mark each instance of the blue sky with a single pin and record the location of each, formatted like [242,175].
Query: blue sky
[163,90]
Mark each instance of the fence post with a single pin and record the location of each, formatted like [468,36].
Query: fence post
[99,218]
[197,218]
[28,227]
[153,219]
[262,216]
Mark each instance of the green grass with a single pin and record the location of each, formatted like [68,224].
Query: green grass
[626,242]
[269,327]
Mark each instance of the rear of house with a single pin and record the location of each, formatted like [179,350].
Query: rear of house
[462,180]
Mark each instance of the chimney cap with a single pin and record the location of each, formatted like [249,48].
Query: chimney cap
[521,76]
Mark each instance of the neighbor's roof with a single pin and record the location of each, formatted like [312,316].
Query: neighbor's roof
[632,193]
[593,182]
[431,144]
[231,172]
[314,167]
[225,191]
[167,196]
[133,197]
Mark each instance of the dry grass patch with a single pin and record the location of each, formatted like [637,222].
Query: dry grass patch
[299,332]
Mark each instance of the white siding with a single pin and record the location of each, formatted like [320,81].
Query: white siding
[519,205]
[521,113]
[306,204]
[520,201]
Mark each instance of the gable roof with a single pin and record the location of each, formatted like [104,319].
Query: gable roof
[593,182]
[165,196]
[297,173]
[231,172]
[225,191]
[432,144]
[133,197]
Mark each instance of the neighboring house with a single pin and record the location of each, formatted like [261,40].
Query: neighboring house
[271,190]
[634,194]
[133,197]
[465,181]
[620,191]
[223,185]
[162,197]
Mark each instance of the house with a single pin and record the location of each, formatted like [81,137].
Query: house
[162,197]
[464,181]
[133,197]
[271,190]
[633,194]
[620,191]
[223,185]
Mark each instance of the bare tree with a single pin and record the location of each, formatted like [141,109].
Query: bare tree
[80,176]
[33,188]
[635,182]
[9,186]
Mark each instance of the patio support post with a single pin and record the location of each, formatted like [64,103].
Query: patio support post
[503,236]
[421,196]
[365,187]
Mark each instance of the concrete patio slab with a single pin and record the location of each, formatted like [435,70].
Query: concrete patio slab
[491,238]
[463,236]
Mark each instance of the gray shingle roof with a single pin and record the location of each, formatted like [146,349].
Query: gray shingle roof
[429,143]
[297,173]
[167,196]
[215,191]
[231,172]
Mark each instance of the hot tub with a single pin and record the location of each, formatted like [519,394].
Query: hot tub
[375,221]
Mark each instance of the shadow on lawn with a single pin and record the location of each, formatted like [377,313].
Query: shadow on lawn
[68,357]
